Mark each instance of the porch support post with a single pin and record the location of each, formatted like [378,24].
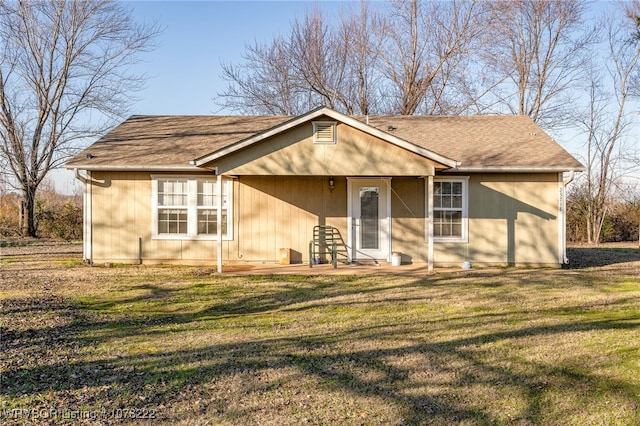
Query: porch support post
[219,220]
[86,222]
[562,253]
[351,238]
[430,223]
[389,229]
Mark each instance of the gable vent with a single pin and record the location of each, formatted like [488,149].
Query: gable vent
[324,132]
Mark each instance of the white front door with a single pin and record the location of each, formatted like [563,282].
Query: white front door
[369,208]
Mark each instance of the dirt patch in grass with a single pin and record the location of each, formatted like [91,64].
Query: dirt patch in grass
[96,345]
[585,256]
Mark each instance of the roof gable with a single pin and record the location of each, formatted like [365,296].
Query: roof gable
[326,112]
[296,152]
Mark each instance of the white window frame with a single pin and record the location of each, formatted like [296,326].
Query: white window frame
[334,127]
[192,208]
[464,237]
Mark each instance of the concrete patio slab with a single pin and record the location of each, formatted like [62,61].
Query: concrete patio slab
[324,269]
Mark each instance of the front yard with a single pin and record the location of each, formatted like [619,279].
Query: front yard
[184,345]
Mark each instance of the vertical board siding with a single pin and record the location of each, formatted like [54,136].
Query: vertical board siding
[355,151]
[280,212]
[512,220]
[122,214]
[408,219]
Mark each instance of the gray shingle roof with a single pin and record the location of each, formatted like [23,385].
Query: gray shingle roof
[148,142]
[482,140]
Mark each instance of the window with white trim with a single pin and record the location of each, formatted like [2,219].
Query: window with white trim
[187,208]
[207,207]
[450,217]
[172,207]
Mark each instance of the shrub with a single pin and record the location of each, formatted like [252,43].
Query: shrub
[56,216]
[60,217]
[9,215]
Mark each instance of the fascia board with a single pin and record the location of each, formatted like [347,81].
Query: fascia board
[132,168]
[516,169]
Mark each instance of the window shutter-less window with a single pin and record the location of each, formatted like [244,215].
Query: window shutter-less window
[185,208]
[324,132]
[450,209]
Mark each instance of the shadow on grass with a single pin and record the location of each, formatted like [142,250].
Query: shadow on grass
[588,257]
[408,362]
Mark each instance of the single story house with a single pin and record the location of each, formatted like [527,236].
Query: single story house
[441,190]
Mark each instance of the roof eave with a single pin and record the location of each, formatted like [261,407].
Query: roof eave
[132,168]
[517,169]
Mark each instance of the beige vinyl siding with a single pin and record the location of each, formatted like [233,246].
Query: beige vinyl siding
[269,213]
[122,214]
[407,219]
[293,153]
[121,205]
[512,220]
[280,212]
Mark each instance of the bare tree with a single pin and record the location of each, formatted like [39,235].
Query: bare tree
[633,12]
[364,81]
[411,60]
[59,62]
[319,58]
[538,50]
[405,57]
[264,83]
[316,64]
[607,122]
[426,45]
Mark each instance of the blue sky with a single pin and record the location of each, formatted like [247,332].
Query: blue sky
[184,71]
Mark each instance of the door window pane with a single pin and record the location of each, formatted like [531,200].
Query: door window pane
[369,218]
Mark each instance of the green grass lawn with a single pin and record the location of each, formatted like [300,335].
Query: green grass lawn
[185,346]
